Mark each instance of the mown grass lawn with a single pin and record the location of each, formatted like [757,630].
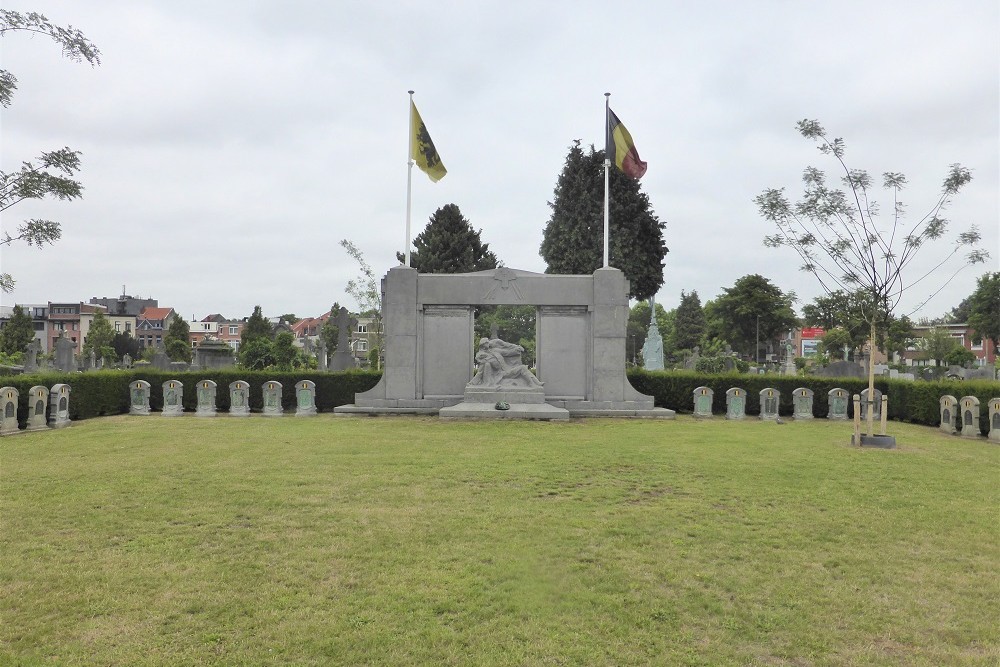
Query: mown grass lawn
[405,541]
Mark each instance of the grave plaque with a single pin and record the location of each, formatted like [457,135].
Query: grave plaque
[703,397]
[38,403]
[59,406]
[802,400]
[970,416]
[877,406]
[949,408]
[769,403]
[138,397]
[206,399]
[736,403]
[305,398]
[8,410]
[272,399]
[994,407]
[837,400]
[239,399]
[173,395]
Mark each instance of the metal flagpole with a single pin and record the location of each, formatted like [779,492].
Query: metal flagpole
[607,167]
[409,177]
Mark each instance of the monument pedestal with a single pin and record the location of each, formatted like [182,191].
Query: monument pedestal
[524,402]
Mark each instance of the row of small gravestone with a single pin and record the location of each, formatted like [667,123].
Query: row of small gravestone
[239,398]
[966,409]
[802,402]
[47,408]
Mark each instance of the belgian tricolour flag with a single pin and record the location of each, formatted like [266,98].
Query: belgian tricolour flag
[621,149]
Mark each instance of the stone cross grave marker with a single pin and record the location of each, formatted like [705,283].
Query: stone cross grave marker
[342,358]
[31,355]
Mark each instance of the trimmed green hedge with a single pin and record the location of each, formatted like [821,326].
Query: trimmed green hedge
[911,401]
[106,392]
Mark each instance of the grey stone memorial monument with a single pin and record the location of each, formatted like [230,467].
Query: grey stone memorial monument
[342,358]
[503,387]
[970,416]
[8,410]
[802,402]
[239,399]
[160,359]
[127,360]
[38,403]
[31,353]
[138,392]
[703,397]
[837,401]
[59,406]
[272,399]
[948,406]
[736,403]
[305,398]
[173,398]
[769,398]
[206,398]
[994,414]
[652,349]
[64,353]
[580,344]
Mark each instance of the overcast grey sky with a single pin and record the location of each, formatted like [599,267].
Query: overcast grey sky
[229,146]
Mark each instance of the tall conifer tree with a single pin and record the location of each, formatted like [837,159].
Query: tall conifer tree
[572,241]
[449,244]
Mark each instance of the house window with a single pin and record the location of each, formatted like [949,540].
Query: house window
[362,346]
[232,331]
[362,328]
[118,326]
[128,327]
[977,343]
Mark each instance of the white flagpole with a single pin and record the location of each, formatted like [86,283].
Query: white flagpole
[607,167]
[409,175]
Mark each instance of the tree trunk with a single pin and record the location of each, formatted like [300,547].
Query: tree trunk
[871,381]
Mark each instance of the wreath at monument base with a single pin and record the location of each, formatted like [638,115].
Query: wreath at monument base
[502,405]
